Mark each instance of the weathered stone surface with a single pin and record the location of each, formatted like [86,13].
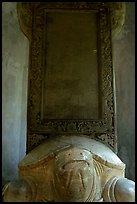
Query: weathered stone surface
[71,70]
[119,189]
[71,169]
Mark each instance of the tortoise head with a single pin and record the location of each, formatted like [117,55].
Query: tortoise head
[74,176]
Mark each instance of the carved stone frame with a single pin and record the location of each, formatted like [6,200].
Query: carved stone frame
[103,129]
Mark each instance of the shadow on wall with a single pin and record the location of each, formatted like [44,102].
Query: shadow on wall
[124,64]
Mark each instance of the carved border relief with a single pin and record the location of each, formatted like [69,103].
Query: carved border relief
[102,129]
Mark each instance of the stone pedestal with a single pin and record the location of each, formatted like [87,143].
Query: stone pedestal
[71,169]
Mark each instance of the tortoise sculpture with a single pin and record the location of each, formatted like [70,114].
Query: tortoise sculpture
[71,169]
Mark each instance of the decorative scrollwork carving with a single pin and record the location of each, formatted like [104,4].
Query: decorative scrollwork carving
[117,9]
[34,139]
[60,126]
[106,124]
[107,138]
[24,11]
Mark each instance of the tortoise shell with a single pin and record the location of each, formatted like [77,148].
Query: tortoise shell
[50,147]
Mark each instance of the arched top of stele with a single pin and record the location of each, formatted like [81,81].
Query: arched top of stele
[50,148]
[25,13]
